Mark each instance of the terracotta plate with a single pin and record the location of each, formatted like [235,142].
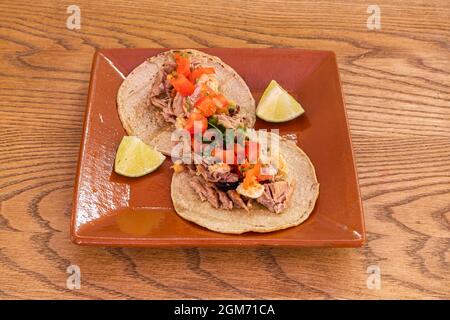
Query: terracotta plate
[116,211]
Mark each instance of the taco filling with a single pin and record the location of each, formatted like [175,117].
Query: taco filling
[253,175]
[186,90]
[176,88]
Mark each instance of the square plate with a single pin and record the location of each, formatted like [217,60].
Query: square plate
[110,210]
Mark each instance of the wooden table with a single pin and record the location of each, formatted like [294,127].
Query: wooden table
[397,89]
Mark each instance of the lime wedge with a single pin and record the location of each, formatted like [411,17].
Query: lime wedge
[276,105]
[134,158]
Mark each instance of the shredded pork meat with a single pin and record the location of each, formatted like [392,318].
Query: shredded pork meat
[161,93]
[198,187]
[225,202]
[237,200]
[217,176]
[276,196]
[207,190]
[177,106]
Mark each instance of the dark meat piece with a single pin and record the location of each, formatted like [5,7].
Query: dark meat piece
[226,177]
[225,186]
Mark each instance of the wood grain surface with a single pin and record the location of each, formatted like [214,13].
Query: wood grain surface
[396,83]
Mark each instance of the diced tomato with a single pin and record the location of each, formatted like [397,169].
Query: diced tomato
[205,106]
[196,118]
[197,73]
[221,103]
[207,91]
[181,84]
[252,151]
[183,64]
[251,175]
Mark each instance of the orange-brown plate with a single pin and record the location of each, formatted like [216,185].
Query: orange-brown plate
[110,210]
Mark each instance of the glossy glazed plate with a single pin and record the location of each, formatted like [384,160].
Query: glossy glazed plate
[111,210]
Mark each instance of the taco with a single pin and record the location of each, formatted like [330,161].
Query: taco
[278,190]
[161,94]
